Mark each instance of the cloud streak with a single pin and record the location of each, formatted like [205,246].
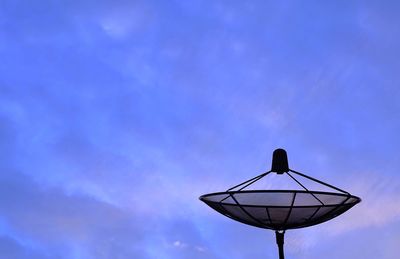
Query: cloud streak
[115,116]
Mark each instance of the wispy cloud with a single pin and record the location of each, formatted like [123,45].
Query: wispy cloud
[116,115]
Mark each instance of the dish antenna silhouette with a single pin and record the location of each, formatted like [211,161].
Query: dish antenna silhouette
[280,210]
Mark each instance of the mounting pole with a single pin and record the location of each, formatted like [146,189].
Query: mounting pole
[280,236]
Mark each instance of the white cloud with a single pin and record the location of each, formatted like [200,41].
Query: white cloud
[121,21]
[379,207]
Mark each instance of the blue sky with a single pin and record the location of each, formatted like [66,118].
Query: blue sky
[116,115]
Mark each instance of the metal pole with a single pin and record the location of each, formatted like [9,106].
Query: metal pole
[280,236]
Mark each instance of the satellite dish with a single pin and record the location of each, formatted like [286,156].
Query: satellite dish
[280,210]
